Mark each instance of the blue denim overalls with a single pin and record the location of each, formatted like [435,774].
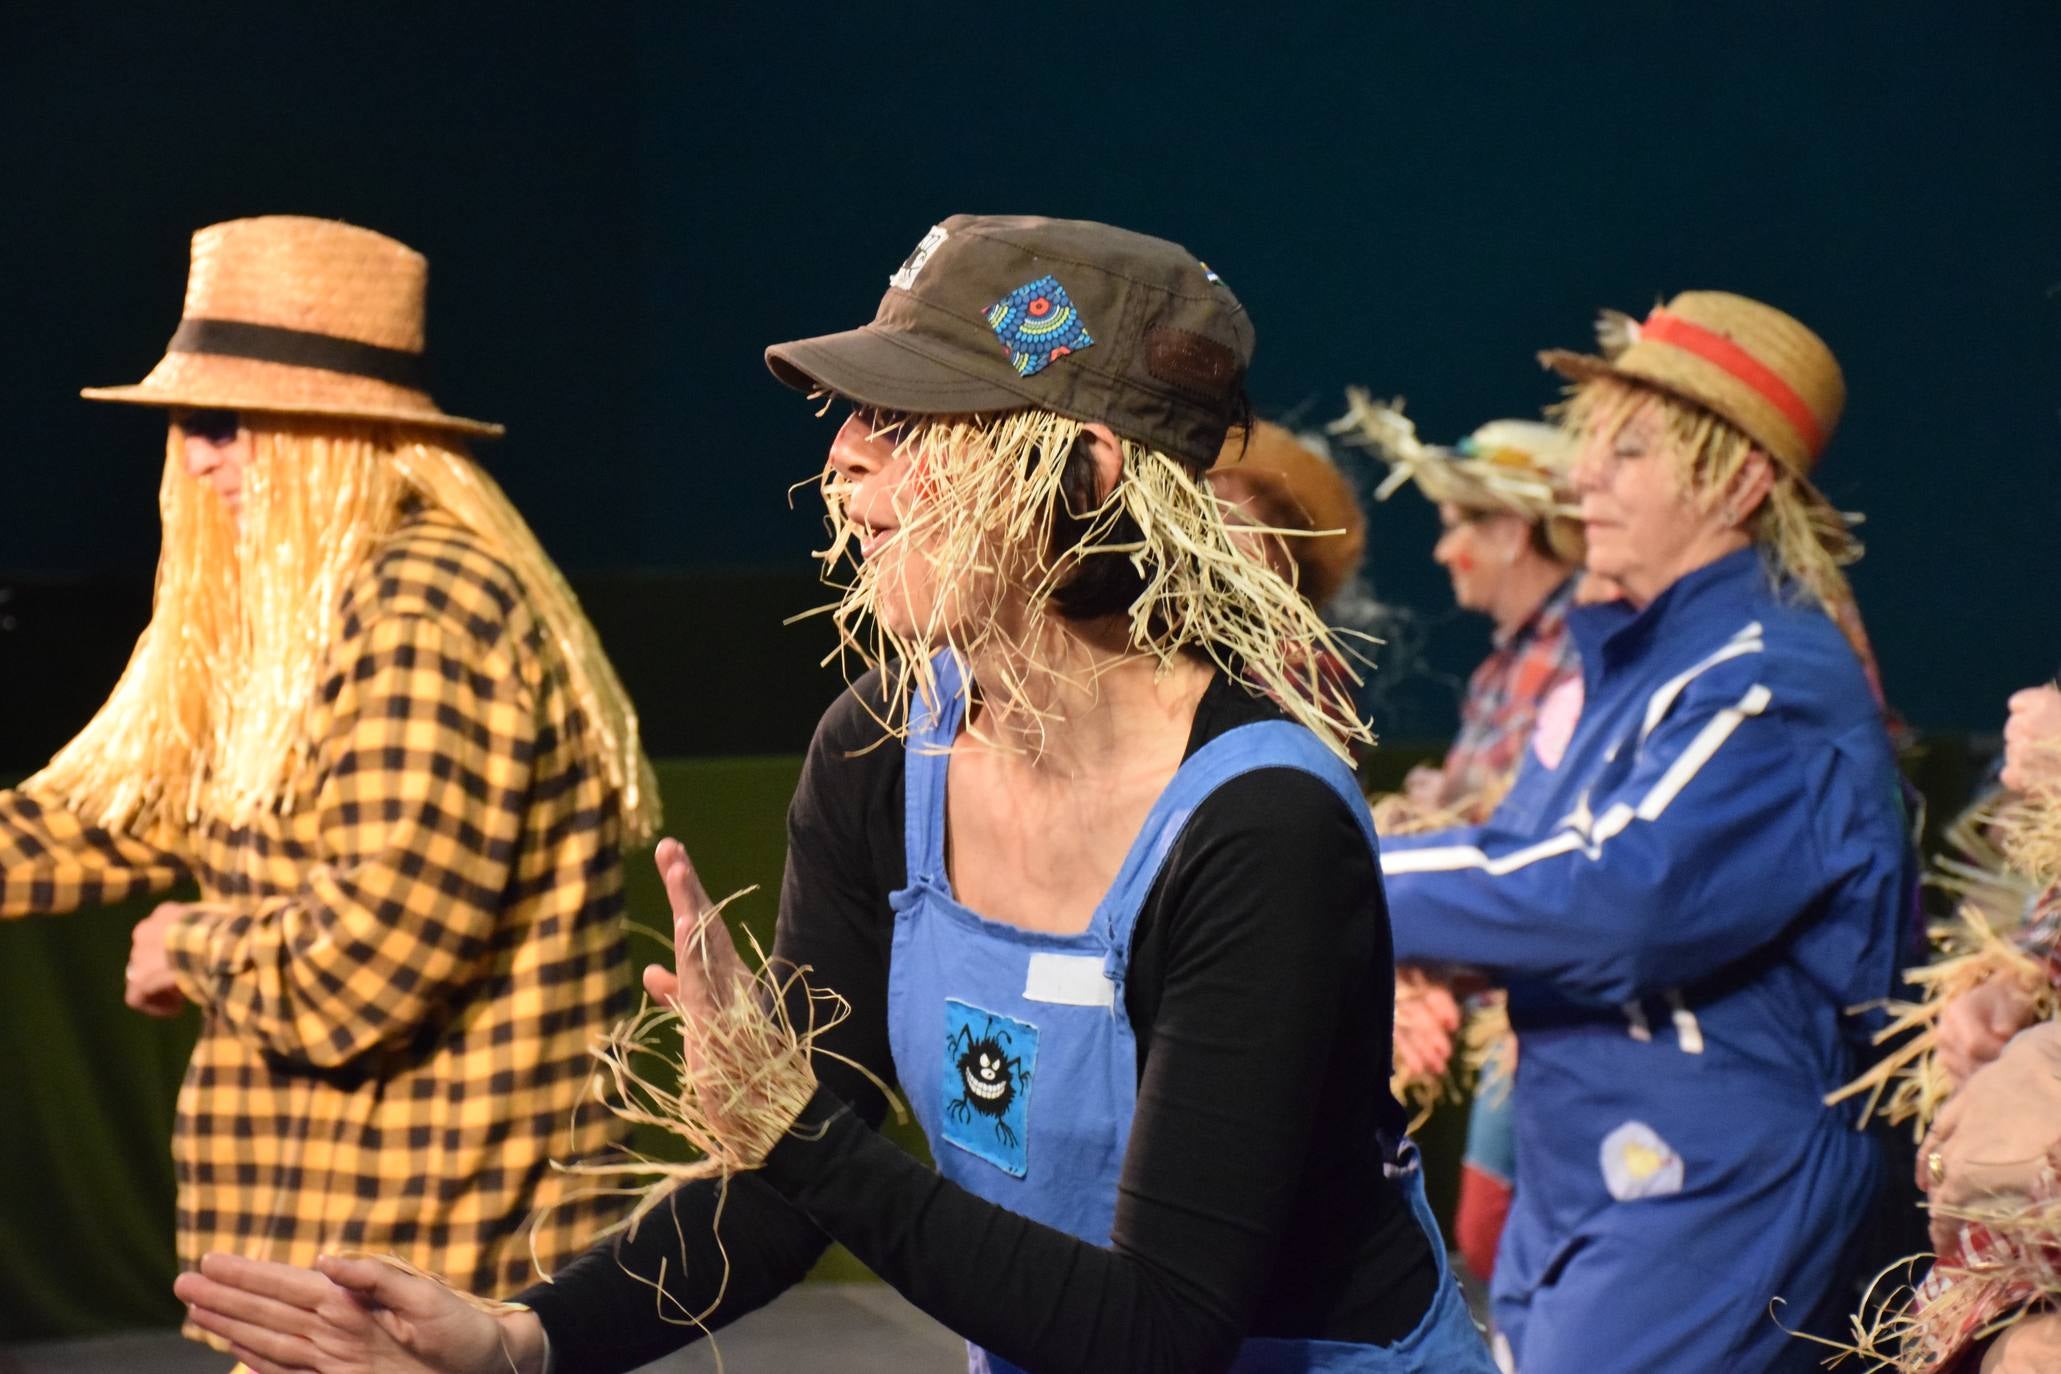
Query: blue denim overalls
[1015,1052]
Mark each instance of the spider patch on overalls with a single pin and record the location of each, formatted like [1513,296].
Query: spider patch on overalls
[988,1063]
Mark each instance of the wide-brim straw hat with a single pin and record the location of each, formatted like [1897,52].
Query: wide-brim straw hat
[1298,488]
[1757,368]
[297,316]
[1515,467]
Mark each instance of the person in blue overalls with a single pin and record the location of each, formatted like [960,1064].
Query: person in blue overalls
[1109,911]
[1687,905]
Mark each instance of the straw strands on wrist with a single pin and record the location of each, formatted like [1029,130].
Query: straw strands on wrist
[2008,1266]
[990,491]
[729,1086]
[1909,1083]
[2030,834]
[1977,945]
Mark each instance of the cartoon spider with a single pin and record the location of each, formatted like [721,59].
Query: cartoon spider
[992,1078]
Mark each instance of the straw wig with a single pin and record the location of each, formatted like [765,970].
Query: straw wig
[207,721]
[999,511]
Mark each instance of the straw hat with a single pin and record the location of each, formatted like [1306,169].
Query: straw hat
[303,317]
[1519,467]
[1294,487]
[1752,365]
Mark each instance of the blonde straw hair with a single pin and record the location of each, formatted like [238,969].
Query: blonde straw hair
[991,492]
[1805,540]
[209,717]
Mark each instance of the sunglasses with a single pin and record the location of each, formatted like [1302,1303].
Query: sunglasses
[216,427]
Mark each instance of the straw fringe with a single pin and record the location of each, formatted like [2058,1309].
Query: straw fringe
[992,488]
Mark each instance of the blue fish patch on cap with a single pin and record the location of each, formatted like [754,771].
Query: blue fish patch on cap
[1037,322]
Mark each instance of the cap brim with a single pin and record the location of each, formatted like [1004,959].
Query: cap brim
[877,368]
[203,398]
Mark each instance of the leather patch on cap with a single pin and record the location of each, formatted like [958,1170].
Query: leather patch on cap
[1192,363]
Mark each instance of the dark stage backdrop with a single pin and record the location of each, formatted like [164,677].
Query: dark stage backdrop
[624,204]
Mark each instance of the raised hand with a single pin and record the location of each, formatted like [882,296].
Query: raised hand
[354,1316]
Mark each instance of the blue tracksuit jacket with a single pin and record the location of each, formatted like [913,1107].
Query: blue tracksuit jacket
[1683,910]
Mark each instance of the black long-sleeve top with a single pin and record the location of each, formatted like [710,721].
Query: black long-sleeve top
[1252,1199]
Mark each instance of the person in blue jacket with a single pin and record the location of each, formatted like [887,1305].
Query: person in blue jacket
[1685,907]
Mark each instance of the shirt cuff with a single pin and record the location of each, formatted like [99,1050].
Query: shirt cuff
[192,949]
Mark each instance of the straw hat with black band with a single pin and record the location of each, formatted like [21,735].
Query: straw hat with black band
[288,314]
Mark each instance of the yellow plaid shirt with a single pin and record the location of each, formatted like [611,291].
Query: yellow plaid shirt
[400,977]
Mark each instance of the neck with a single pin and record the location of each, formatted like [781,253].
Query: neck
[1086,702]
[1523,590]
[1699,553]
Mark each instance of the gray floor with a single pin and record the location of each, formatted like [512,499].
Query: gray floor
[860,1328]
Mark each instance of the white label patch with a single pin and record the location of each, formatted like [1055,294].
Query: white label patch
[1071,980]
[905,275]
[1637,1163]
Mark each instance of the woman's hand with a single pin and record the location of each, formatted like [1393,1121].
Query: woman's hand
[1993,1136]
[355,1316]
[1427,1017]
[2032,740]
[2031,1345]
[710,987]
[1425,787]
[1975,1027]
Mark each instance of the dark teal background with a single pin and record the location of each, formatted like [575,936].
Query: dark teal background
[623,204]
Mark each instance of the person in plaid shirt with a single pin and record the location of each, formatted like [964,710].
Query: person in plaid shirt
[370,722]
[1514,553]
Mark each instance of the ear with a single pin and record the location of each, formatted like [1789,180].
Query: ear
[1107,454]
[1748,488]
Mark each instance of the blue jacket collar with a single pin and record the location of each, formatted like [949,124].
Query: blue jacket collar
[1712,596]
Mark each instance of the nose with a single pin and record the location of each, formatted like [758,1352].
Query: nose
[1442,552]
[202,457]
[855,452]
[1591,466]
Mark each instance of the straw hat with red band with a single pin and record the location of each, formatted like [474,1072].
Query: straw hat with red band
[1755,367]
[299,316]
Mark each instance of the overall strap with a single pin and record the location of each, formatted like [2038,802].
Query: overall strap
[926,761]
[1246,749]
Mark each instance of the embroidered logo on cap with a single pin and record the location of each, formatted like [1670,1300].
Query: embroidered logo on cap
[1037,322]
[905,275]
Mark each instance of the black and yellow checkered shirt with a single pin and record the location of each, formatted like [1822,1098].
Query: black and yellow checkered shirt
[400,977]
